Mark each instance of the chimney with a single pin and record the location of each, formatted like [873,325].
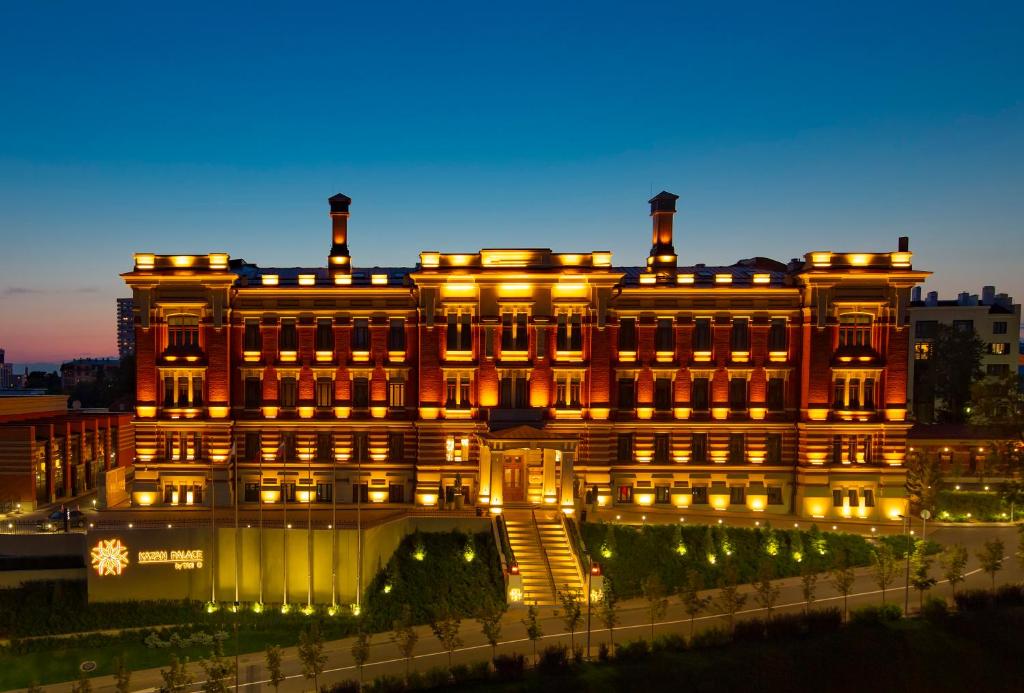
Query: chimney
[904,244]
[662,260]
[933,298]
[915,294]
[963,299]
[988,295]
[339,262]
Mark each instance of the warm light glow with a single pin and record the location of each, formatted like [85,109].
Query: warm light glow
[762,278]
[644,498]
[648,278]
[430,259]
[270,412]
[428,499]
[269,280]
[307,279]
[143,498]
[685,279]
[306,412]
[219,412]
[218,260]
[569,291]
[720,413]
[859,259]
[182,260]
[817,414]
[109,557]
[682,412]
[145,411]
[288,356]
[723,279]
[821,259]
[702,356]
[379,279]
[901,258]
[144,261]
[599,413]
[515,290]
[896,414]
[757,413]
[778,356]
[343,279]
[644,412]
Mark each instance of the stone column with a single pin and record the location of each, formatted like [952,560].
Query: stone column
[497,469]
[484,492]
[565,497]
[550,491]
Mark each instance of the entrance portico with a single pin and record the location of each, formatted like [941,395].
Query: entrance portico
[526,465]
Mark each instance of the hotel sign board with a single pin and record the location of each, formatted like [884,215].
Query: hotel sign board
[136,564]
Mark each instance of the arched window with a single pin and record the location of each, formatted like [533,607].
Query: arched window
[855,329]
[183,332]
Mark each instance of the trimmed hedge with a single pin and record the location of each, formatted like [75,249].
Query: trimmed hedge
[442,580]
[628,554]
[983,506]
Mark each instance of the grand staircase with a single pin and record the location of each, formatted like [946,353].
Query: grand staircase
[545,558]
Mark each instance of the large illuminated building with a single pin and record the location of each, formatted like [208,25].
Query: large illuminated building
[524,376]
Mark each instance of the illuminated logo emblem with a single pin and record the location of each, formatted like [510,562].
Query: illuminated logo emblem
[109,557]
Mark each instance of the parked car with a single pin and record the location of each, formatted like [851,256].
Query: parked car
[54,522]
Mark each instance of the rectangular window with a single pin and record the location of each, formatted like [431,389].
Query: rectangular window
[324,447]
[699,447]
[183,399]
[324,334]
[360,493]
[854,330]
[839,394]
[774,495]
[777,335]
[999,348]
[854,396]
[867,449]
[852,494]
[360,446]
[776,394]
[662,494]
[513,331]
[466,332]
[183,332]
[999,327]
[737,448]
[169,391]
[252,492]
[360,393]
[396,394]
[252,335]
[324,392]
[253,392]
[997,369]
[575,388]
[737,495]
[837,449]
[700,495]
[627,394]
[361,334]
[624,447]
[522,342]
[869,393]
[963,325]
[738,394]
[837,498]
[661,448]
[869,498]
[699,395]
[396,447]
[452,332]
[773,448]
[287,447]
[576,332]
[324,492]
[396,334]
[288,338]
[627,334]
[197,391]
[289,393]
[926,329]
[664,335]
[562,333]
[740,337]
[396,493]
[702,334]
[663,394]
[625,494]
[252,446]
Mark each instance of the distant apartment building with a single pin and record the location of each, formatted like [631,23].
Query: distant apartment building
[6,372]
[995,318]
[81,371]
[125,327]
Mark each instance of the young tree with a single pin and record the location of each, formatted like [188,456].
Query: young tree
[122,676]
[490,625]
[176,677]
[361,653]
[955,365]
[311,654]
[730,600]
[991,557]
[808,584]
[884,567]
[924,478]
[446,630]
[655,594]
[920,566]
[954,564]
[405,636]
[533,629]
[842,581]
[766,591]
[609,610]
[273,655]
[1020,545]
[218,670]
[689,594]
[1012,494]
[82,685]
[572,613]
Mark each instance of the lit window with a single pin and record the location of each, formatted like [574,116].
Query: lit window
[855,329]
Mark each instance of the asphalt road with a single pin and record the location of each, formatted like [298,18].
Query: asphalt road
[635,624]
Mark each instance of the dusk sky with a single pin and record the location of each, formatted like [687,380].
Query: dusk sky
[784,128]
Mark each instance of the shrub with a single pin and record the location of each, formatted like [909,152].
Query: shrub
[982,505]
[341,687]
[820,621]
[973,600]
[749,629]
[935,610]
[479,671]
[672,642]
[554,659]
[509,667]
[634,649]
[385,684]
[786,626]
[603,654]
[875,615]
[1009,595]
[713,637]
[435,678]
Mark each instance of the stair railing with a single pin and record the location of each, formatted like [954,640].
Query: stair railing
[579,551]
[544,554]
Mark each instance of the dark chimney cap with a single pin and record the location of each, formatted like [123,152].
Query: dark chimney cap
[904,244]
[339,203]
[663,202]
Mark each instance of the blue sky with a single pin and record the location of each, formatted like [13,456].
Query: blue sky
[784,128]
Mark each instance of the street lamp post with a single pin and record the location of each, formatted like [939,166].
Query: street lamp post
[906,548]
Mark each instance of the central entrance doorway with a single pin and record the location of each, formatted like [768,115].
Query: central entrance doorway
[514,478]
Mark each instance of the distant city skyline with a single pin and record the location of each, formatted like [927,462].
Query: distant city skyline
[782,130]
